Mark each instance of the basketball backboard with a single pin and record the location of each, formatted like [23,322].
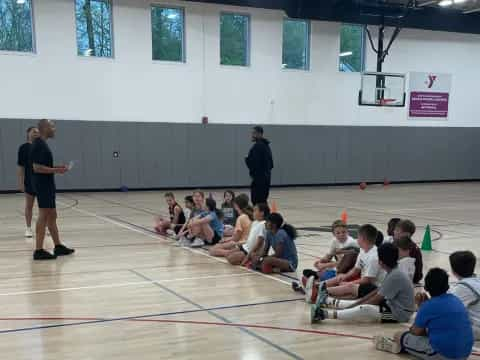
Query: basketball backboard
[382,89]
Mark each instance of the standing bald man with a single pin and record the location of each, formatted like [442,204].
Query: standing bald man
[44,184]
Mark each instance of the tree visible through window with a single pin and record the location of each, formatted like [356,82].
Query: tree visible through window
[234,39]
[16,31]
[167,34]
[296,44]
[352,44]
[94,27]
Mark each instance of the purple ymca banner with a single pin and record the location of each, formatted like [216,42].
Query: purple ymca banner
[429,96]
[429,104]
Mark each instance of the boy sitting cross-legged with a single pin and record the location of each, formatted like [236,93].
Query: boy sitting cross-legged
[394,301]
[364,278]
[441,330]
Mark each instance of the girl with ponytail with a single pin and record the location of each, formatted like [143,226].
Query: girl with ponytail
[280,237]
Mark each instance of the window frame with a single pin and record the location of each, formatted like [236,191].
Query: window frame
[248,40]
[33,52]
[308,44]
[362,48]
[112,35]
[182,9]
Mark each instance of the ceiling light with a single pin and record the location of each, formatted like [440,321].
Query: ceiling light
[346,53]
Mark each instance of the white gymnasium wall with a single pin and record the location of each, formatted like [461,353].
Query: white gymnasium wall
[58,84]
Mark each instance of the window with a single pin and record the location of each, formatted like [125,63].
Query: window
[168,34]
[94,27]
[16,29]
[296,44]
[352,46]
[234,39]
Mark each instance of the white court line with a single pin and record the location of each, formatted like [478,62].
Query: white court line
[139,231]
[137,283]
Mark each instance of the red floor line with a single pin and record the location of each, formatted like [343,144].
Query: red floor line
[253,326]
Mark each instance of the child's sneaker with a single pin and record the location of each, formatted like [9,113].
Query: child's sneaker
[266,269]
[197,243]
[317,314]
[322,294]
[183,241]
[383,343]
[311,291]
[297,288]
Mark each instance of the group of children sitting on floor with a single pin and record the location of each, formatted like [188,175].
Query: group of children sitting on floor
[247,236]
[369,279]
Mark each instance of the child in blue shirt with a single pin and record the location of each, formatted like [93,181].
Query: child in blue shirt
[442,328]
[280,237]
[208,227]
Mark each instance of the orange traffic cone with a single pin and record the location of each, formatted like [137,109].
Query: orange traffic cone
[344,216]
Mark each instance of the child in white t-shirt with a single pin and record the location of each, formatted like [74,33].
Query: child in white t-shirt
[406,264]
[365,277]
[343,247]
[256,238]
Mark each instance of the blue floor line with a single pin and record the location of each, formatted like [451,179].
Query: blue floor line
[224,307]
[218,316]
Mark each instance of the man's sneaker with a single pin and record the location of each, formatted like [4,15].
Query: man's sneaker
[317,314]
[383,343]
[28,233]
[62,250]
[197,243]
[43,255]
[311,291]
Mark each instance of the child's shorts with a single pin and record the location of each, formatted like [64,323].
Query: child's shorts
[419,346]
[216,238]
[365,289]
[177,228]
[328,274]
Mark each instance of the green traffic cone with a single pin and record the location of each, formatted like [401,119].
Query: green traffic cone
[427,240]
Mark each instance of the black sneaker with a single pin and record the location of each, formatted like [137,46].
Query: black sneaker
[43,255]
[61,250]
[297,288]
[317,314]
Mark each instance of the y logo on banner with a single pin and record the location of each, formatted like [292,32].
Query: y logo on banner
[431,80]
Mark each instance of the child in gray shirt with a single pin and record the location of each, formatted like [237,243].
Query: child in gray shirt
[393,302]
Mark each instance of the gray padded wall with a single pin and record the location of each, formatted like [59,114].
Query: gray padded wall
[165,155]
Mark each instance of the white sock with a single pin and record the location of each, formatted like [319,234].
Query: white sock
[362,313]
[342,304]
[330,301]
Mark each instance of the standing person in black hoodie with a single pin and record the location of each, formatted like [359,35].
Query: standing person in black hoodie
[260,165]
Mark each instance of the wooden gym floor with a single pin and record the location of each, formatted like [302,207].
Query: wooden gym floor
[128,293]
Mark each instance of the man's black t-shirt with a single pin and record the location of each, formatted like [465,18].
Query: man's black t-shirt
[41,155]
[24,161]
